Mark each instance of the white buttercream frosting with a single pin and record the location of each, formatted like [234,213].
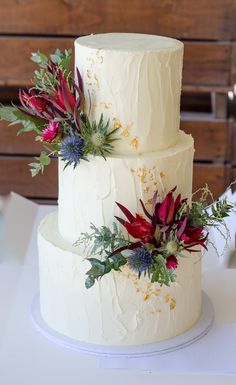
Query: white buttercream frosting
[135,81]
[120,309]
[87,194]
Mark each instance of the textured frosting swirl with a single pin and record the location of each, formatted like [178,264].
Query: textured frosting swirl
[87,194]
[135,81]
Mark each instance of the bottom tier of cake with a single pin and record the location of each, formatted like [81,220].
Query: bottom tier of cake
[120,309]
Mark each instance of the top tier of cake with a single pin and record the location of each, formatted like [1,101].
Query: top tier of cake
[135,81]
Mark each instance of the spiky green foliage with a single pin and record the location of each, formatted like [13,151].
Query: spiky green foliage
[42,161]
[98,137]
[203,215]
[102,241]
[159,272]
[45,80]
[13,115]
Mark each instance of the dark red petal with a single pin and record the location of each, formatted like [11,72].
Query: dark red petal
[177,204]
[122,221]
[126,212]
[80,81]
[145,210]
[182,228]
[127,247]
[170,214]
[164,208]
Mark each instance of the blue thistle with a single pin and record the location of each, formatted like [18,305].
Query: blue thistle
[72,149]
[140,260]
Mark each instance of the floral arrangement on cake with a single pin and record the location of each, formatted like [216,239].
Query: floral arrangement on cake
[153,242]
[54,109]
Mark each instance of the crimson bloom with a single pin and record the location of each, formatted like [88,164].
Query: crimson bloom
[33,101]
[166,211]
[64,97]
[137,226]
[191,235]
[140,228]
[171,262]
[51,131]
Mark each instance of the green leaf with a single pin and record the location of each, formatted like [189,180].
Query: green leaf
[8,113]
[39,58]
[44,159]
[118,261]
[159,272]
[27,127]
[35,168]
[89,282]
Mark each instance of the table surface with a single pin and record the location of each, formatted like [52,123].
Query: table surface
[27,358]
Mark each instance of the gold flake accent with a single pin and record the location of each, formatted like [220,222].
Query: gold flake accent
[146,296]
[117,123]
[142,175]
[168,298]
[125,133]
[172,304]
[162,174]
[146,189]
[149,201]
[134,143]
[132,170]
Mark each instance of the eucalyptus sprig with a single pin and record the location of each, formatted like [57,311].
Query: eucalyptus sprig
[45,78]
[159,272]
[202,215]
[102,241]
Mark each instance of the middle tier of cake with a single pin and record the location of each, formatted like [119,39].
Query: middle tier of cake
[88,193]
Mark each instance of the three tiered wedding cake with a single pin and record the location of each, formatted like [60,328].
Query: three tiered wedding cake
[135,81]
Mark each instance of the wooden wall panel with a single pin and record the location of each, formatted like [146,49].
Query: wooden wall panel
[211,138]
[216,176]
[202,19]
[15,176]
[206,63]
[11,143]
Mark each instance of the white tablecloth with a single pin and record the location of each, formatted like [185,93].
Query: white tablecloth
[27,358]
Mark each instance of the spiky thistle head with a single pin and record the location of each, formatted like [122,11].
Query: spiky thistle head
[98,138]
[140,260]
[72,150]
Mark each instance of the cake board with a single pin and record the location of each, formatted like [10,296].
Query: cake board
[199,330]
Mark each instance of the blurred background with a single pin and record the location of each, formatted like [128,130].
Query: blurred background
[208,29]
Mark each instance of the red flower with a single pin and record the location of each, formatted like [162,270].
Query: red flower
[165,211]
[137,226]
[64,97]
[33,101]
[140,228]
[191,235]
[51,131]
[171,262]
